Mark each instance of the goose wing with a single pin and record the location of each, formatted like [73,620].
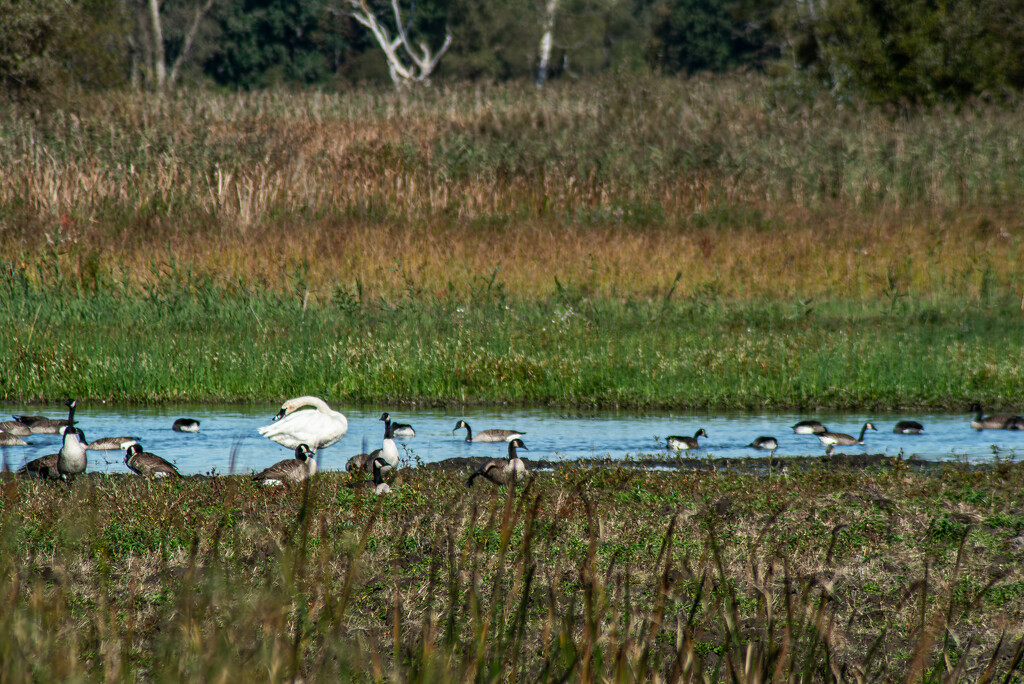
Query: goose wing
[44,467]
[290,471]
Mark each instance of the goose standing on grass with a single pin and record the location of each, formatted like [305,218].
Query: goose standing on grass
[844,439]
[41,425]
[10,439]
[809,427]
[13,427]
[677,443]
[69,461]
[908,427]
[502,471]
[306,420]
[492,435]
[767,443]
[291,471]
[147,464]
[997,421]
[185,425]
[110,443]
[380,487]
[387,459]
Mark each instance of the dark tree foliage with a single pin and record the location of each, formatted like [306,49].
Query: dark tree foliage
[274,42]
[914,51]
[700,35]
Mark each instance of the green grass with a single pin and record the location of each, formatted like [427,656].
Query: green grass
[194,341]
[588,573]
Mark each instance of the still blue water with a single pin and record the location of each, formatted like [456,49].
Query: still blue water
[549,434]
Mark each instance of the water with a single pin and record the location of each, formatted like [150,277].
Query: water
[549,434]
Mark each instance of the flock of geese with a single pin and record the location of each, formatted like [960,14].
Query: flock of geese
[307,424]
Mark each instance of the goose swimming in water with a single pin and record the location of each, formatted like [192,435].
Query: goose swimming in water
[768,443]
[110,443]
[502,471]
[402,430]
[10,439]
[843,439]
[185,425]
[997,421]
[41,425]
[306,420]
[808,427]
[13,427]
[908,427]
[291,471]
[677,443]
[492,435]
[147,464]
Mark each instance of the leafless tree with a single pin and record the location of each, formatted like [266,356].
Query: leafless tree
[157,56]
[407,63]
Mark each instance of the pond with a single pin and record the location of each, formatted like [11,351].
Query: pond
[550,434]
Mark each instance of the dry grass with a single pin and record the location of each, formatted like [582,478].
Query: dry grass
[609,574]
[619,190]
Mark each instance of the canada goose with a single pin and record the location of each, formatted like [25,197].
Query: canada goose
[110,443]
[997,421]
[769,443]
[403,430]
[10,439]
[844,439]
[147,464]
[70,460]
[378,484]
[677,443]
[502,471]
[808,427]
[492,435]
[294,424]
[13,427]
[291,471]
[41,425]
[908,427]
[1015,423]
[185,425]
[388,456]
[360,462]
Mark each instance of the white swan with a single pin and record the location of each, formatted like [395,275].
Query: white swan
[296,423]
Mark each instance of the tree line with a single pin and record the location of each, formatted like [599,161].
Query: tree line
[910,51]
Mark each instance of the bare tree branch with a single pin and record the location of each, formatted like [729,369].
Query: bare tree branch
[189,37]
[423,61]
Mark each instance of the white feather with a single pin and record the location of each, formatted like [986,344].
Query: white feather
[306,420]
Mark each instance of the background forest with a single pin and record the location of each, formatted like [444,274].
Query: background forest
[883,50]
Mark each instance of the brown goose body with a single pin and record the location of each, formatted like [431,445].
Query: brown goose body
[147,464]
[289,472]
[110,443]
[996,421]
[13,427]
[809,427]
[682,443]
[502,471]
[843,439]
[41,425]
[44,467]
[10,439]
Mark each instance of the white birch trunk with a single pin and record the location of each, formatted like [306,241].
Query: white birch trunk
[546,41]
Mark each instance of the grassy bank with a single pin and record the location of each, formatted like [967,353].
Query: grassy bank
[611,574]
[658,242]
[184,342]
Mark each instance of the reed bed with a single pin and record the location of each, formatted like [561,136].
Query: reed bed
[631,186]
[614,574]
